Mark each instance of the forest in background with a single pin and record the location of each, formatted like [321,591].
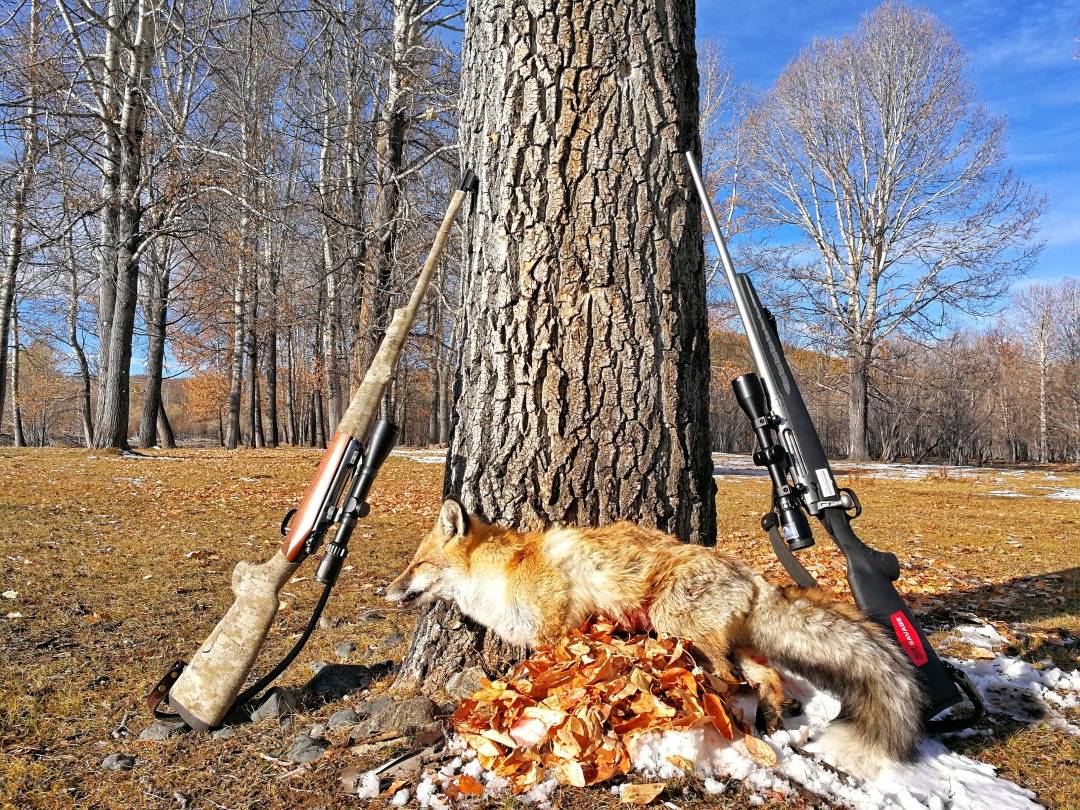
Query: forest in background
[236,194]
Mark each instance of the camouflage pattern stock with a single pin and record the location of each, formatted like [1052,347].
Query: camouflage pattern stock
[205,691]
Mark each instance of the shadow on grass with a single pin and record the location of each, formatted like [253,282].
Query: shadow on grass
[1022,599]
[336,681]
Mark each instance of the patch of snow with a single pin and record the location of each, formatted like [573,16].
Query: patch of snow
[1013,687]
[939,779]
[982,635]
[10,594]
[1065,494]
[1006,493]
[369,786]
[423,456]
[714,788]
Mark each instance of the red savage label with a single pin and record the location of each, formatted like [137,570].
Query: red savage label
[908,638]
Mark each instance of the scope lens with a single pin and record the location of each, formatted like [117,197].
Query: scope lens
[795,529]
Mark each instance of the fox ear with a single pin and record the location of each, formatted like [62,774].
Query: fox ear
[453,519]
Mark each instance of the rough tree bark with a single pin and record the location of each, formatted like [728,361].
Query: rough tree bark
[583,379]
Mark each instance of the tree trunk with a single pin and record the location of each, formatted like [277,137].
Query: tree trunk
[27,171]
[858,402]
[80,355]
[582,385]
[111,429]
[251,348]
[391,128]
[236,373]
[292,422]
[155,313]
[18,439]
[271,362]
[11,270]
[1044,370]
[332,329]
[166,437]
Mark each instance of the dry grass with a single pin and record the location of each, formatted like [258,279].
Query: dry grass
[121,565]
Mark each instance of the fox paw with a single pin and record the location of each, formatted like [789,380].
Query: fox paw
[768,719]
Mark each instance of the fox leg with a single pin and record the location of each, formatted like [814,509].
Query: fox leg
[766,682]
[706,599]
[555,621]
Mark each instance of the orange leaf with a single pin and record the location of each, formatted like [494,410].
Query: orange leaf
[760,751]
[642,794]
[469,786]
[718,714]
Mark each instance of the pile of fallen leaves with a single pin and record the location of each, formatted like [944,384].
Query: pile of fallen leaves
[574,709]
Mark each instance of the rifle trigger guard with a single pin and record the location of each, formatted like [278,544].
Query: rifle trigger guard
[854,508]
[285,521]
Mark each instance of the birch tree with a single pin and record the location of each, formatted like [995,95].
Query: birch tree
[872,157]
[1035,310]
[27,88]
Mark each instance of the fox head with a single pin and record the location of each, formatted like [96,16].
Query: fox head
[441,552]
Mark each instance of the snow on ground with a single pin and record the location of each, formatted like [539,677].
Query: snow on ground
[424,456]
[939,779]
[731,465]
[1015,688]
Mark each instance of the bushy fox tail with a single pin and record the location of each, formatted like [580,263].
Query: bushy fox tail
[834,647]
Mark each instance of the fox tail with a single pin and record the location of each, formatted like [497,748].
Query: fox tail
[834,647]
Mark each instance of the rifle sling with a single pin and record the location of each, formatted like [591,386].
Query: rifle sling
[802,577]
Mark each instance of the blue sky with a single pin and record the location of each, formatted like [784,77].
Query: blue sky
[1021,59]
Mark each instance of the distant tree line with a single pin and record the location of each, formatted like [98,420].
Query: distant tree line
[1009,392]
[210,208]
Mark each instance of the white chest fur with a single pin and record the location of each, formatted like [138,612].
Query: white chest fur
[487,600]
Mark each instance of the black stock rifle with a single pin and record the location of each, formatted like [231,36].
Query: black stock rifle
[789,448]
[204,691]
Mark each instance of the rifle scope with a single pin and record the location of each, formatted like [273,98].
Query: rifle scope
[794,527]
[380,443]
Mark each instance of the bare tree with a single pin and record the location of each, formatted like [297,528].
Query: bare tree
[1034,309]
[1068,341]
[873,150]
[27,84]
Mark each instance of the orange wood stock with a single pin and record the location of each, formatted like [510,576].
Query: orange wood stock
[308,513]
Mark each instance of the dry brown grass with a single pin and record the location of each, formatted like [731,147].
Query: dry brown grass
[122,565]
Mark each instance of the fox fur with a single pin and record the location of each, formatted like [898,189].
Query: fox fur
[530,588]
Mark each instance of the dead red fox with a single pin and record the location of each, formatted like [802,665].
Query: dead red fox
[531,588]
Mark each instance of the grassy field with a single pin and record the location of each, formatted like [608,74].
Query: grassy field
[121,565]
